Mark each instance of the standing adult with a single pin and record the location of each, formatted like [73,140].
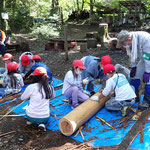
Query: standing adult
[25,60]
[94,70]
[137,45]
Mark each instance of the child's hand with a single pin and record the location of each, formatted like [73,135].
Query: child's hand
[85,81]
[94,98]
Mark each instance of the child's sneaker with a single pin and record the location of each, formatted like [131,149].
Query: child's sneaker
[42,127]
[28,122]
[74,106]
[124,111]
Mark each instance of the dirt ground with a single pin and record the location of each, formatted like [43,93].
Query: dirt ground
[28,137]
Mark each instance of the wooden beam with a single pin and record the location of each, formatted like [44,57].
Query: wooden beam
[134,131]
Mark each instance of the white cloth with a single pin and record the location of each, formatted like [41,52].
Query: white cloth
[38,107]
[94,98]
[85,81]
[70,80]
[21,67]
[140,46]
[123,90]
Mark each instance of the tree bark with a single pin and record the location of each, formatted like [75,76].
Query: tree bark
[83,4]
[2,8]
[91,9]
[78,5]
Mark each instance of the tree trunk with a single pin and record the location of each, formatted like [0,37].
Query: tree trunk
[78,5]
[53,3]
[2,9]
[66,42]
[82,4]
[13,7]
[91,9]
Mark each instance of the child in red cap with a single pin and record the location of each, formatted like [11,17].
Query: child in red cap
[13,80]
[73,84]
[39,93]
[124,93]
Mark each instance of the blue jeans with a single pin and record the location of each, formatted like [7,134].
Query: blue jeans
[38,120]
[112,104]
[2,49]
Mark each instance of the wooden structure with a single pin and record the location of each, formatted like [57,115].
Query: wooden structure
[135,9]
[12,47]
[77,117]
[59,44]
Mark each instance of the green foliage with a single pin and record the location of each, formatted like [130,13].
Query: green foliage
[20,23]
[45,31]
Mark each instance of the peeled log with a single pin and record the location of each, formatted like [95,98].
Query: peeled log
[77,117]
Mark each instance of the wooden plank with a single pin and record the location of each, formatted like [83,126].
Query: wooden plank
[134,131]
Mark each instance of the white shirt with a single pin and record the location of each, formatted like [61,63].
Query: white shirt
[70,80]
[123,90]
[38,107]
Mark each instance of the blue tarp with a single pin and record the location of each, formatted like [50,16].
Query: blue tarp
[94,130]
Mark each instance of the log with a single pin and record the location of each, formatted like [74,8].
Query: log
[134,131]
[77,117]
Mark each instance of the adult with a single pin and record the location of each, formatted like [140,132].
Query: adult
[36,59]
[137,45]
[25,60]
[94,70]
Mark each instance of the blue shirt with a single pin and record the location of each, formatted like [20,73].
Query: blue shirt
[93,70]
[40,64]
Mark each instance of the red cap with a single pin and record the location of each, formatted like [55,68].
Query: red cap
[108,68]
[25,60]
[106,60]
[40,71]
[36,57]
[7,56]
[12,66]
[78,63]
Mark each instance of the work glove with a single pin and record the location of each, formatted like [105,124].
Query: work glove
[22,74]
[85,92]
[94,98]
[133,72]
[146,77]
[85,81]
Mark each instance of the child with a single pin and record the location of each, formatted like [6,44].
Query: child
[37,63]
[39,93]
[13,80]
[7,58]
[25,60]
[124,94]
[72,87]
